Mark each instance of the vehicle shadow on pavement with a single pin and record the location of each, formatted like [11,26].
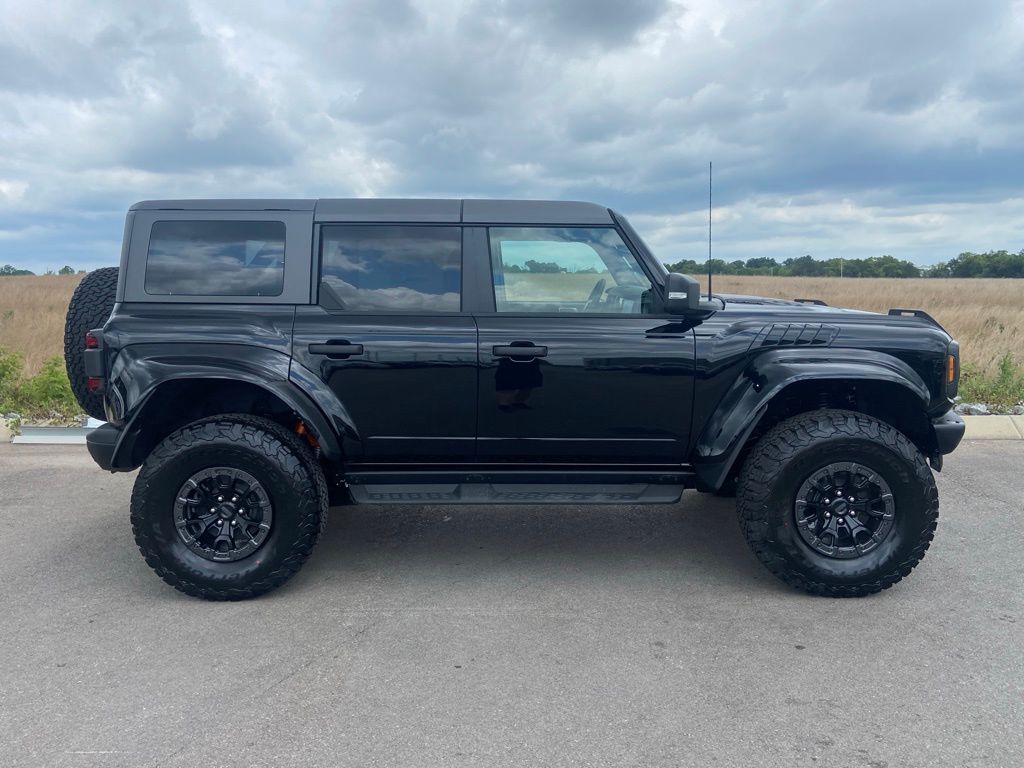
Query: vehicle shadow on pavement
[696,542]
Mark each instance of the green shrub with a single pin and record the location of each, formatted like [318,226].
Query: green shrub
[45,395]
[1003,388]
[10,380]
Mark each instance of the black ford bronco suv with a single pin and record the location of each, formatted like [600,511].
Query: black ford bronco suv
[261,360]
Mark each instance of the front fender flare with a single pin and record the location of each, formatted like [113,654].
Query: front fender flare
[765,377]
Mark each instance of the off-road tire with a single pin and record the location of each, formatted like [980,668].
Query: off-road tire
[278,458]
[787,454]
[90,307]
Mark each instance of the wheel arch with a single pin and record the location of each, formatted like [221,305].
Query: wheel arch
[178,400]
[782,384]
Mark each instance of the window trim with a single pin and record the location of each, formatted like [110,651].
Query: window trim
[316,273]
[297,261]
[644,267]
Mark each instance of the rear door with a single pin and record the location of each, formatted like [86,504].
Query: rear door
[390,339]
[574,366]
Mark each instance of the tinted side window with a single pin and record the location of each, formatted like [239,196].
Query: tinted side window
[216,258]
[566,269]
[391,268]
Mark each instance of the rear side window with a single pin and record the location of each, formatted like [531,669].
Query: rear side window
[385,268]
[216,258]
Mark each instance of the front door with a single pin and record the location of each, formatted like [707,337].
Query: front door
[573,367]
[389,338]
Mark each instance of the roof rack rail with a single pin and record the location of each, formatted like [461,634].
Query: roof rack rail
[900,312]
[819,302]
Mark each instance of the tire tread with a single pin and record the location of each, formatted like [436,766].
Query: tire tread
[778,446]
[293,457]
[89,308]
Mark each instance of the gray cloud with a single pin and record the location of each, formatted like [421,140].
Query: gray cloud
[858,128]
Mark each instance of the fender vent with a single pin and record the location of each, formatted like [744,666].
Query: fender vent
[796,335]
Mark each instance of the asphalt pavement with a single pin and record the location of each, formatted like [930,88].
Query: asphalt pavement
[507,636]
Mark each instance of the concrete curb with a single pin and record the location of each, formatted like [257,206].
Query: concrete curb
[994,427]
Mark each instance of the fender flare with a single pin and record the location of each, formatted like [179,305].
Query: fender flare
[140,371]
[767,375]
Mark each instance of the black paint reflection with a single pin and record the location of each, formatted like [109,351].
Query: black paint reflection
[514,382]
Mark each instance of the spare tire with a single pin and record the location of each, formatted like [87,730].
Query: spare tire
[90,307]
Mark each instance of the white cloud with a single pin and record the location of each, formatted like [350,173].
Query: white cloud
[835,127]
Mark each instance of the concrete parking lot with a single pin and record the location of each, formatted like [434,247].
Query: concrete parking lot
[560,636]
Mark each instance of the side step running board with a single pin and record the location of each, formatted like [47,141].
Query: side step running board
[516,493]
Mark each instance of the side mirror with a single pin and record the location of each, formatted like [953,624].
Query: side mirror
[682,294]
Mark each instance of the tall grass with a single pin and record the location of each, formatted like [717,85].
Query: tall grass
[32,313]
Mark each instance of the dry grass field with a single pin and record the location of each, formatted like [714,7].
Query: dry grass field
[32,316]
[987,316]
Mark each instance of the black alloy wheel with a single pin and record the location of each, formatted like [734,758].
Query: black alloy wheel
[223,514]
[844,510]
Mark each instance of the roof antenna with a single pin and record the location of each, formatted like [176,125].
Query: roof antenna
[709,230]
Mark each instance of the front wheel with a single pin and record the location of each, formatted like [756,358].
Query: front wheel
[229,507]
[837,503]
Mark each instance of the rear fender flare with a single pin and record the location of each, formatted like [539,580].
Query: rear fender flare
[140,371]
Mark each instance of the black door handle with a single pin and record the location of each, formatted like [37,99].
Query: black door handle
[519,350]
[336,349]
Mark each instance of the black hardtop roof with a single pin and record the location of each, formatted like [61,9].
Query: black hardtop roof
[422,210]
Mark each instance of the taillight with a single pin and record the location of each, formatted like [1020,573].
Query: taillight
[92,357]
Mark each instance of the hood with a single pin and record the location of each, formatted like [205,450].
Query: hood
[738,301]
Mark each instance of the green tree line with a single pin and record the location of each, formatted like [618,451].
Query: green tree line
[989,264]
[8,271]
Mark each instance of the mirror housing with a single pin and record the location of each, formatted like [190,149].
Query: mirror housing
[682,294]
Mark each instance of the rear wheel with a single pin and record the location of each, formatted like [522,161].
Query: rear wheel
[90,307]
[837,503]
[229,507]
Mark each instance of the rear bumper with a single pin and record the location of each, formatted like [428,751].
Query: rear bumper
[102,442]
[949,431]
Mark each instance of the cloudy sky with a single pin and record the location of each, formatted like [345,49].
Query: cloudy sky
[836,127]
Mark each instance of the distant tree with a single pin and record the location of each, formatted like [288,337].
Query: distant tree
[8,270]
[686,267]
[990,264]
[937,270]
[543,267]
[804,266]
[66,271]
[762,265]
